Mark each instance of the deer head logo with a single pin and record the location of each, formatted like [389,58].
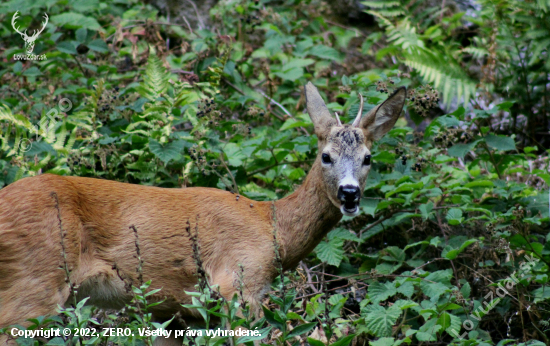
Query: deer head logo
[29,40]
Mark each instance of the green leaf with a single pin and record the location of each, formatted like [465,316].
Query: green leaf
[81,35]
[297,63]
[57,341]
[234,154]
[500,142]
[426,209]
[343,234]
[480,183]
[541,293]
[428,332]
[301,329]
[345,341]
[381,291]
[406,289]
[32,71]
[454,216]
[167,152]
[67,47]
[331,252]
[386,342]
[455,324]
[433,290]
[380,321]
[451,253]
[76,20]
[444,320]
[98,45]
[325,52]
[292,123]
[369,205]
[292,74]
[263,334]
[315,342]
[270,317]
[460,150]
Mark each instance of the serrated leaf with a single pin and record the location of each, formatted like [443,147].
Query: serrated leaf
[465,290]
[167,152]
[406,289]
[460,150]
[500,142]
[380,321]
[325,52]
[76,20]
[454,216]
[426,209]
[331,252]
[98,45]
[381,291]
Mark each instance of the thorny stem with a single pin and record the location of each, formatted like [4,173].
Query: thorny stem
[235,186]
[139,268]
[276,247]
[492,159]
[72,286]
[327,319]
[144,317]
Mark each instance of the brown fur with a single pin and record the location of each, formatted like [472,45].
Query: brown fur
[97,214]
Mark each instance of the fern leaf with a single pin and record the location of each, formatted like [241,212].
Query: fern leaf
[444,74]
[155,81]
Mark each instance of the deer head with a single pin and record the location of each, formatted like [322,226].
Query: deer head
[344,150]
[29,40]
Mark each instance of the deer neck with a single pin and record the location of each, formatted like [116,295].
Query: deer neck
[304,218]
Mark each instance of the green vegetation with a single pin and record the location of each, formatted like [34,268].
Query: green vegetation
[455,210]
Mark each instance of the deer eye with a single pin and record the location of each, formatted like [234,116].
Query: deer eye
[326,158]
[366,161]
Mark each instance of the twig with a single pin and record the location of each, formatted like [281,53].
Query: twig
[188,25]
[271,100]
[139,268]
[230,174]
[72,286]
[275,103]
[308,274]
[201,23]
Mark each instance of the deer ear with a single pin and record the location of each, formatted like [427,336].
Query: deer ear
[382,118]
[318,111]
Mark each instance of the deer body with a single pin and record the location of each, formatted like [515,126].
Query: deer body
[232,232]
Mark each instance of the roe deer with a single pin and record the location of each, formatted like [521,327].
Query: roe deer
[97,215]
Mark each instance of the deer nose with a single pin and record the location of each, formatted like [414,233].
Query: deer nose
[349,193]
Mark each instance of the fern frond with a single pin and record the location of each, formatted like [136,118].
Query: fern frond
[385,21]
[404,35]
[155,81]
[476,52]
[445,75]
[381,4]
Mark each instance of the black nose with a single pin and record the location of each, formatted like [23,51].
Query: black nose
[349,193]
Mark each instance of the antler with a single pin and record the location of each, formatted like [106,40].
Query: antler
[357,120]
[13,19]
[35,34]
[338,122]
